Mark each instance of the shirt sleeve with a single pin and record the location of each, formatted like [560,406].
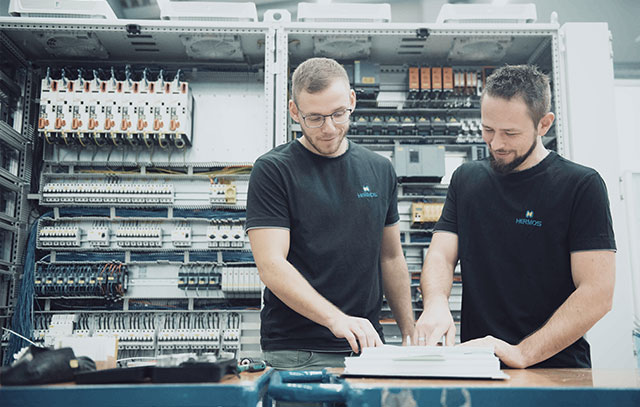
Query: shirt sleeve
[267,203]
[392,211]
[591,227]
[448,221]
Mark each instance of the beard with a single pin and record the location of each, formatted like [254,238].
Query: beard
[331,150]
[509,167]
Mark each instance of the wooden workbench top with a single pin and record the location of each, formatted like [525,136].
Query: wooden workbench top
[591,378]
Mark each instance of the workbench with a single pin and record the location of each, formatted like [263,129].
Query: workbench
[524,388]
[247,390]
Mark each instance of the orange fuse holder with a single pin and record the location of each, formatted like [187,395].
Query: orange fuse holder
[425,79]
[447,79]
[436,78]
[76,123]
[414,79]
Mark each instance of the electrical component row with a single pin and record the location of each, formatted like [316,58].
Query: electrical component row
[105,193]
[95,112]
[226,236]
[195,331]
[241,280]
[193,278]
[464,130]
[108,280]
[126,235]
[148,194]
[200,331]
[445,79]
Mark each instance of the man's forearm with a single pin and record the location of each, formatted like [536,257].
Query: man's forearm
[436,279]
[397,289]
[584,307]
[295,291]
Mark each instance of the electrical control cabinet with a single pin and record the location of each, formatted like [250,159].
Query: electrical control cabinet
[134,141]
[418,92]
[142,136]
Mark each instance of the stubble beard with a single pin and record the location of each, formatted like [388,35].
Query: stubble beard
[507,168]
[325,152]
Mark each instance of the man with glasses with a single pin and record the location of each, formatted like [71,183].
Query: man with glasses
[322,219]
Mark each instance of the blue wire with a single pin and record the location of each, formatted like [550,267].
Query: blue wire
[208,214]
[97,257]
[231,257]
[22,320]
[145,213]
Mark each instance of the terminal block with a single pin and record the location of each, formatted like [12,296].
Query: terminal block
[192,332]
[59,236]
[134,331]
[231,333]
[99,236]
[111,112]
[231,339]
[41,326]
[107,280]
[139,236]
[195,278]
[181,236]
[240,280]
[226,236]
[101,193]
[222,194]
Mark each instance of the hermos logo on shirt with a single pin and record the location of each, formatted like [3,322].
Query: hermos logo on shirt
[528,220]
[366,192]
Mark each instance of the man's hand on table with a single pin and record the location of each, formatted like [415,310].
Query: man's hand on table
[510,355]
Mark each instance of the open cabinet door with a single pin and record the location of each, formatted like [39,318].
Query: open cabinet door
[587,68]
[632,203]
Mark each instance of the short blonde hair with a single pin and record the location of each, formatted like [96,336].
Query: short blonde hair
[315,75]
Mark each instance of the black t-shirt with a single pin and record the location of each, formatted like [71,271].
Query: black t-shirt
[515,236]
[335,210]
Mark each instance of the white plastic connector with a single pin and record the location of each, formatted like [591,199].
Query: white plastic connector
[222,194]
[99,236]
[181,236]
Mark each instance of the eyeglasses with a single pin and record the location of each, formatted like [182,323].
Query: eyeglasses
[314,121]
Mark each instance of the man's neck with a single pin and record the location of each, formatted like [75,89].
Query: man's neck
[536,157]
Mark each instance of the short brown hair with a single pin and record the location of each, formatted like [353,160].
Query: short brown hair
[525,81]
[315,75]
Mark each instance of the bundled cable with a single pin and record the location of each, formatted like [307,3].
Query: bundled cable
[22,320]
